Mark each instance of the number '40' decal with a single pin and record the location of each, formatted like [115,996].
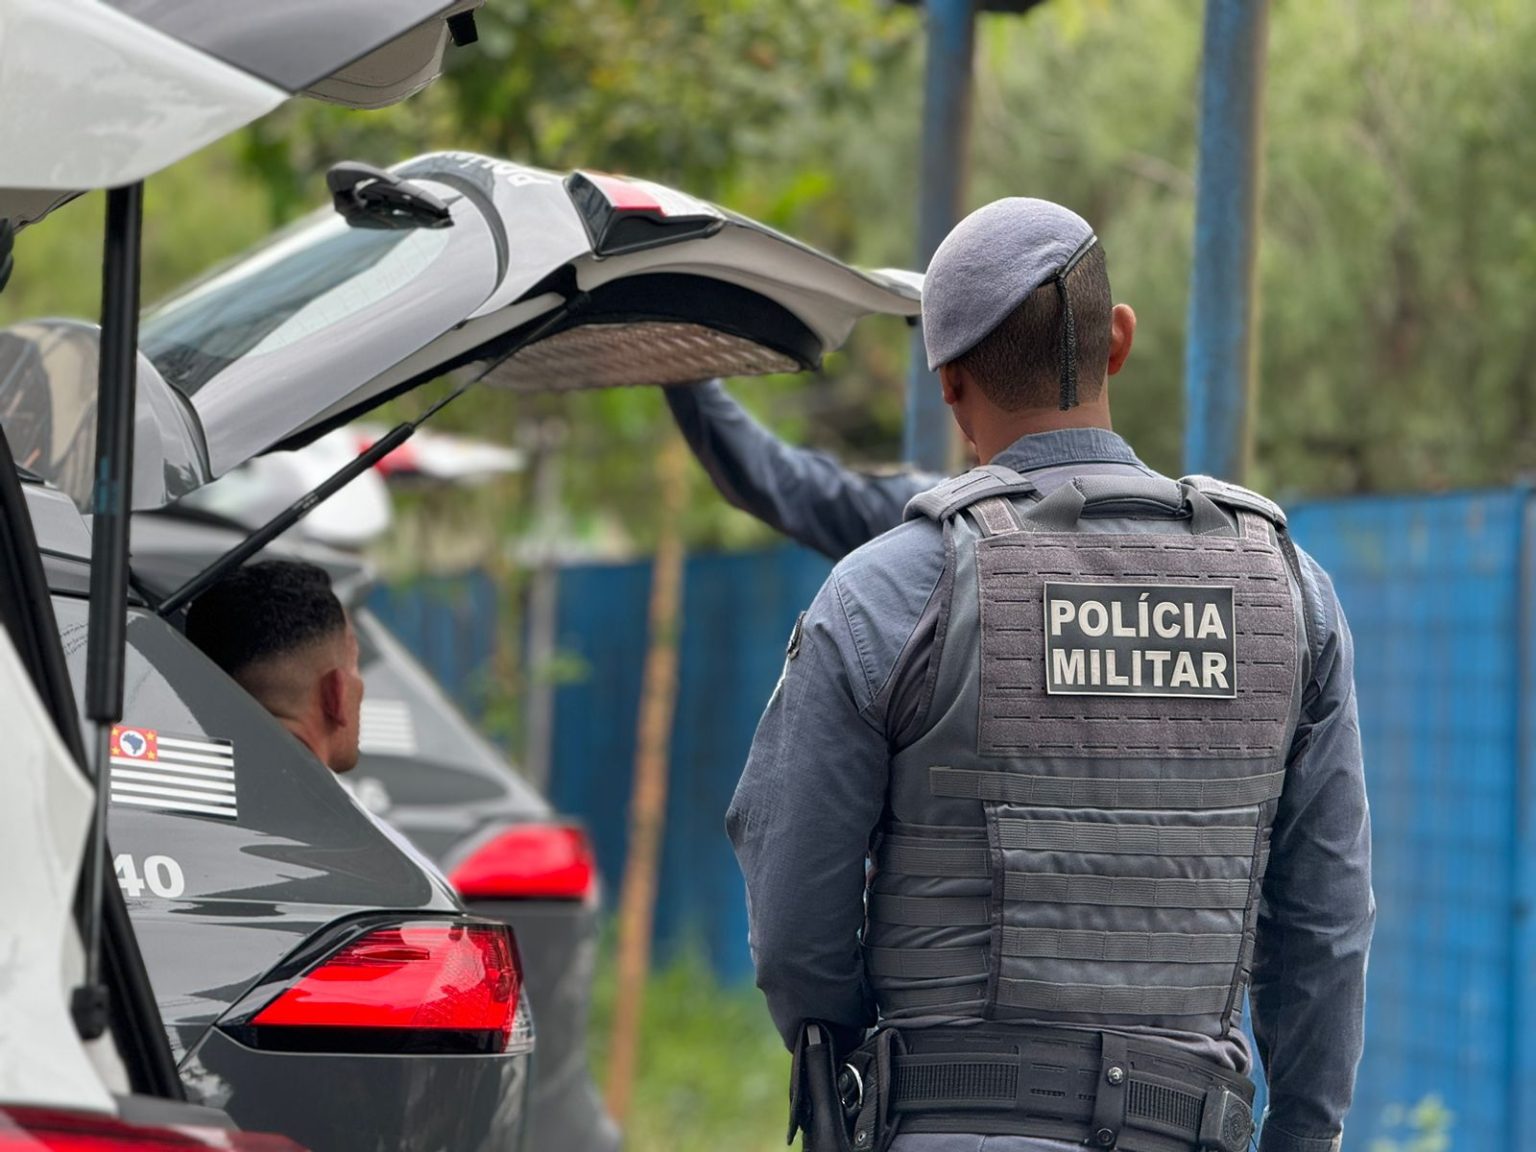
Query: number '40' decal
[162,876]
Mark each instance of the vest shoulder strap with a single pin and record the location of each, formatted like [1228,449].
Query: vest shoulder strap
[945,500]
[1243,500]
[1236,496]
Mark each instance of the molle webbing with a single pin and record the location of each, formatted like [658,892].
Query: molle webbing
[923,856]
[930,911]
[1131,840]
[1116,1000]
[926,963]
[1145,947]
[1105,792]
[957,997]
[1125,891]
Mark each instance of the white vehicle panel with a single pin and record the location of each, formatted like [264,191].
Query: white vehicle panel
[43,827]
[151,100]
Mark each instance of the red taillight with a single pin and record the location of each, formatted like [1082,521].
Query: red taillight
[33,1129]
[444,980]
[530,862]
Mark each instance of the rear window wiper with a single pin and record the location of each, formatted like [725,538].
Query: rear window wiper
[369,197]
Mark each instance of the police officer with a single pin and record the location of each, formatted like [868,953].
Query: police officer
[1055,769]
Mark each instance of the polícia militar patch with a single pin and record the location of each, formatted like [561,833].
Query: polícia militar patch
[1140,640]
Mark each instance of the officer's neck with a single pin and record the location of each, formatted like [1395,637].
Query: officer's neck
[1002,429]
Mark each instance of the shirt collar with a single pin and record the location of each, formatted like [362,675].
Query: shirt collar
[1066,446]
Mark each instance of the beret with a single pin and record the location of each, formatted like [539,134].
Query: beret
[989,263]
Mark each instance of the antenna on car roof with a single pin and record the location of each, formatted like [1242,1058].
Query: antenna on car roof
[396,436]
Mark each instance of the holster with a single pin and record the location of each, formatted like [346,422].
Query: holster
[814,1106]
[864,1090]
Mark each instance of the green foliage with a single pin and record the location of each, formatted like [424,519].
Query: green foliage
[1425,1127]
[1398,247]
[196,214]
[712,1071]
[1397,241]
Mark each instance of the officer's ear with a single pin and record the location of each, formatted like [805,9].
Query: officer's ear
[1122,331]
[953,381]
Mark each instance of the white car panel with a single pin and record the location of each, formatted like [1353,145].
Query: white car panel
[43,827]
[150,100]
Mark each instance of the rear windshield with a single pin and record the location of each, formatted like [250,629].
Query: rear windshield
[312,277]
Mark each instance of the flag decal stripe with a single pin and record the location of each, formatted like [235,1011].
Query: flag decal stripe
[126,787]
[121,776]
[166,766]
[178,757]
[220,748]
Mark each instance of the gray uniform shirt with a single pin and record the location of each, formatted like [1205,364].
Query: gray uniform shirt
[813,790]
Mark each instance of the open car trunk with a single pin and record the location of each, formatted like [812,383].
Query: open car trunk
[102,93]
[449,261]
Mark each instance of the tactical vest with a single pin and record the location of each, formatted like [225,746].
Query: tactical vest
[1080,836]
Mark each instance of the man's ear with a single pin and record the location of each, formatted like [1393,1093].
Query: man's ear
[333,698]
[952,381]
[1122,331]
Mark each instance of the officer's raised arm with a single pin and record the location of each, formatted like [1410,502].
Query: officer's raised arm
[808,496]
[1315,924]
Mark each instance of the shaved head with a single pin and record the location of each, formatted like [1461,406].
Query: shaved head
[279,630]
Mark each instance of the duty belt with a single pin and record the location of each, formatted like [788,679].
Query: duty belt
[1101,1089]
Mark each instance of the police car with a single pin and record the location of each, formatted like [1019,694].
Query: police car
[76,1070]
[427,771]
[104,94]
[259,894]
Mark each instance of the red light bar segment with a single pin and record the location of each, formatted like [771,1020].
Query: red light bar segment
[34,1129]
[624,195]
[530,862]
[440,976]
[622,215]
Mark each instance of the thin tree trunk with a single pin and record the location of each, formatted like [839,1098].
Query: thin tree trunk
[543,604]
[648,797]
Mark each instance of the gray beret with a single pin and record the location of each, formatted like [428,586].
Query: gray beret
[985,268]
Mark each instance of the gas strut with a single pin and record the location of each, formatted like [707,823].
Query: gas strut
[354,468]
[117,380]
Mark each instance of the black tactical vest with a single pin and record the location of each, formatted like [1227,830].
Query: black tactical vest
[1080,835]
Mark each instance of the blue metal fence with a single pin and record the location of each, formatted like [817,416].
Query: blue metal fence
[1433,590]
[752,600]
[1437,592]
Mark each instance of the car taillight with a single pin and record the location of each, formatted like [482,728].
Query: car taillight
[529,862]
[419,987]
[33,1129]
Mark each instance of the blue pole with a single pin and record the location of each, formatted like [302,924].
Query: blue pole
[1220,346]
[929,431]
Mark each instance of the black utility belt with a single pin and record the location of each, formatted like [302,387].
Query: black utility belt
[1102,1089]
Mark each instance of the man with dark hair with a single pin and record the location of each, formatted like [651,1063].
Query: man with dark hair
[278,629]
[1056,770]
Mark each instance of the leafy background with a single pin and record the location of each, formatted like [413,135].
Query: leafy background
[1398,247]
